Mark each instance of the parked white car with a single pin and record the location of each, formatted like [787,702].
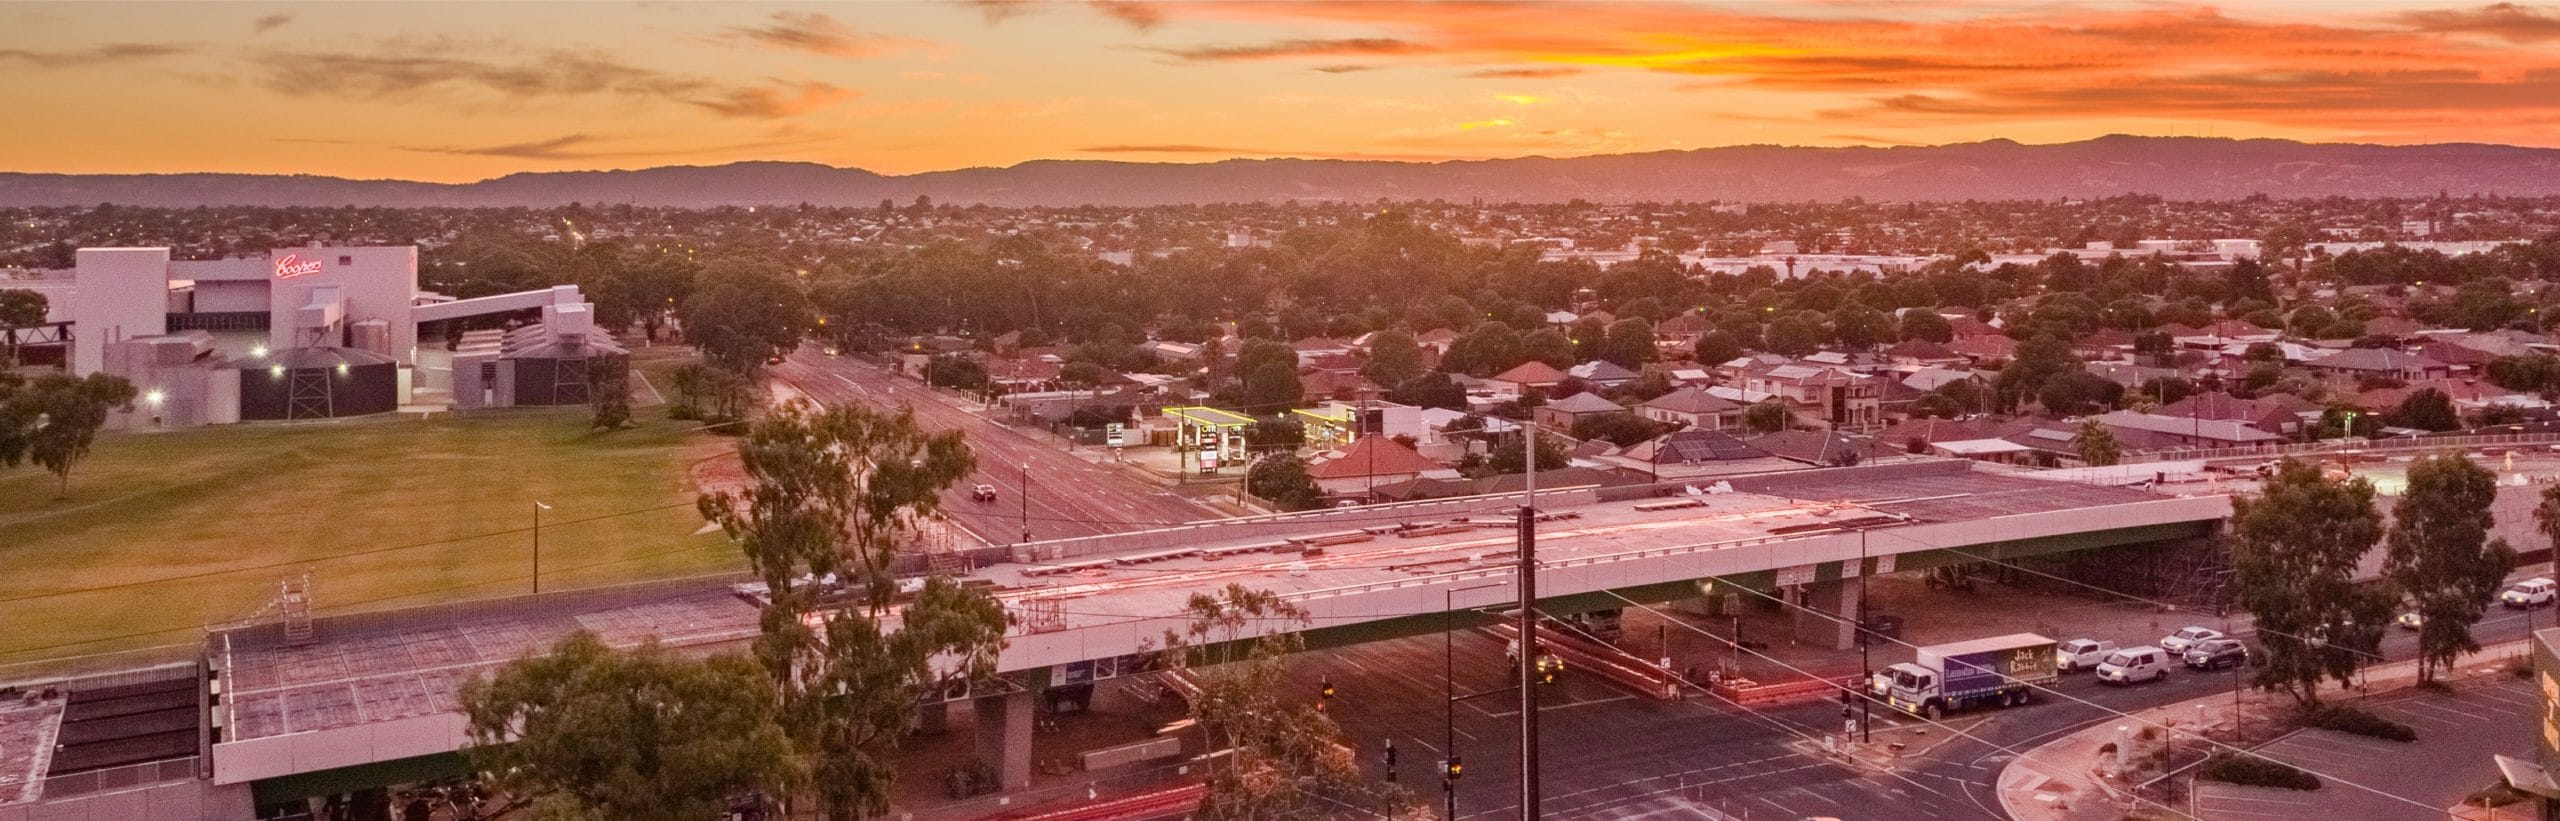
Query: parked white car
[2081,654]
[2534,592]
[2178,642]
[2135,664]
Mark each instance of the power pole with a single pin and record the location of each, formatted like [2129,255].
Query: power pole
[1529,629]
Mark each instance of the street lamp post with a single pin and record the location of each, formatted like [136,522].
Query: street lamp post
[1026,502]
[1449,690]
[1866,669]
[538,508]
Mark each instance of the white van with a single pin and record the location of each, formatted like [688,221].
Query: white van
[2134,664]
[2534,592]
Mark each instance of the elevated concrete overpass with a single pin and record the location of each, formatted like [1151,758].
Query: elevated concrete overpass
[1382,572]
[373,696]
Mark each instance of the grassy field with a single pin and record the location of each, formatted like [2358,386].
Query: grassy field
[188,528]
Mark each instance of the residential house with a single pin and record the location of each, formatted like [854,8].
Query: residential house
[1317,385]
[1922,353]
[1372,461]
[1561,415]
[1315,346]
[1930,379]
[1531,377]
[1693,407]
[2219,334]
[1835,398]
[1180,353]
[1732,370]
[1967,327]
[1022,375]
[1925,432]
[2383,363]
[2392,326]
[1821,448]
[1437,339]
[2460,357]
[2132,376]
[1693,454]
[2209,433]
[1851,361]
[2104,344]
[1602,373]
[2275,413]
[1988,350]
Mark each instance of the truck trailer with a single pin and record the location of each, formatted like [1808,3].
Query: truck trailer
[1946,678]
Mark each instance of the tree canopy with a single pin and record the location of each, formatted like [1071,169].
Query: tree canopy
[2440,556]
[2294,552]
[589,732]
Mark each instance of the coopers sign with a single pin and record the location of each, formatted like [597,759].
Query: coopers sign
[293,265]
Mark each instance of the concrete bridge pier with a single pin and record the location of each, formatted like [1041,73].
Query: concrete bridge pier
[1829,613]
[1004,724]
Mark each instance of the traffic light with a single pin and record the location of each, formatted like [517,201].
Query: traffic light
[1455,767]
[1324,696]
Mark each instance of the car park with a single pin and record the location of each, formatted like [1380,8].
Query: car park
[2215,654]
[2178,642]
[2134,664]
[2081,654]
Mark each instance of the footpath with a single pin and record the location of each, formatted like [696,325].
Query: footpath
[2082,775]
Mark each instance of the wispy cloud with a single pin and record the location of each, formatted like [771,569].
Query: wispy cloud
[2432,70]
[820,34]
[1140,15]
[376,76]
[998,11]
[269,23]
[557,148]
[1347,47]
[1536,73]
[771,102]
[591,147]
[95,55]
[2506,21]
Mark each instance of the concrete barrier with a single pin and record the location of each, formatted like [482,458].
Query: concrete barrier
[1148,750]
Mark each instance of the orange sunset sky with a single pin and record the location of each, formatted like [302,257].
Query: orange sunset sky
[463,91]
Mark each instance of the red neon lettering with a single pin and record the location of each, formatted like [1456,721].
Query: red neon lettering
[293,265]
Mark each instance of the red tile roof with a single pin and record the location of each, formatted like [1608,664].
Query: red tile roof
[1373,456]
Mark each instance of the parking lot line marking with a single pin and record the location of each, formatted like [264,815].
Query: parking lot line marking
[2226,811]
[2217,796]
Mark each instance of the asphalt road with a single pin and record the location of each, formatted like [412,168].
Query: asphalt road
[1606,754]
[1067,496]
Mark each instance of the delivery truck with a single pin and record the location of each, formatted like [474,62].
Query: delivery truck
[1946,678]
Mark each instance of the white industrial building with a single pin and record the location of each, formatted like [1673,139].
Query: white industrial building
[298,333]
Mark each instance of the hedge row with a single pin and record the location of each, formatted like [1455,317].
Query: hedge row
[2347,719]
[2252,771]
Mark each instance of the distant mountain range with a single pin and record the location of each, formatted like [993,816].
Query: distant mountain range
[2172,167]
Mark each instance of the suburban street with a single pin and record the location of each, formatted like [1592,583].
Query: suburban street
[1067,496]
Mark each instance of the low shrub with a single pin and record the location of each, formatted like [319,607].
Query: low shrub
[2352,720]
[2252,771]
